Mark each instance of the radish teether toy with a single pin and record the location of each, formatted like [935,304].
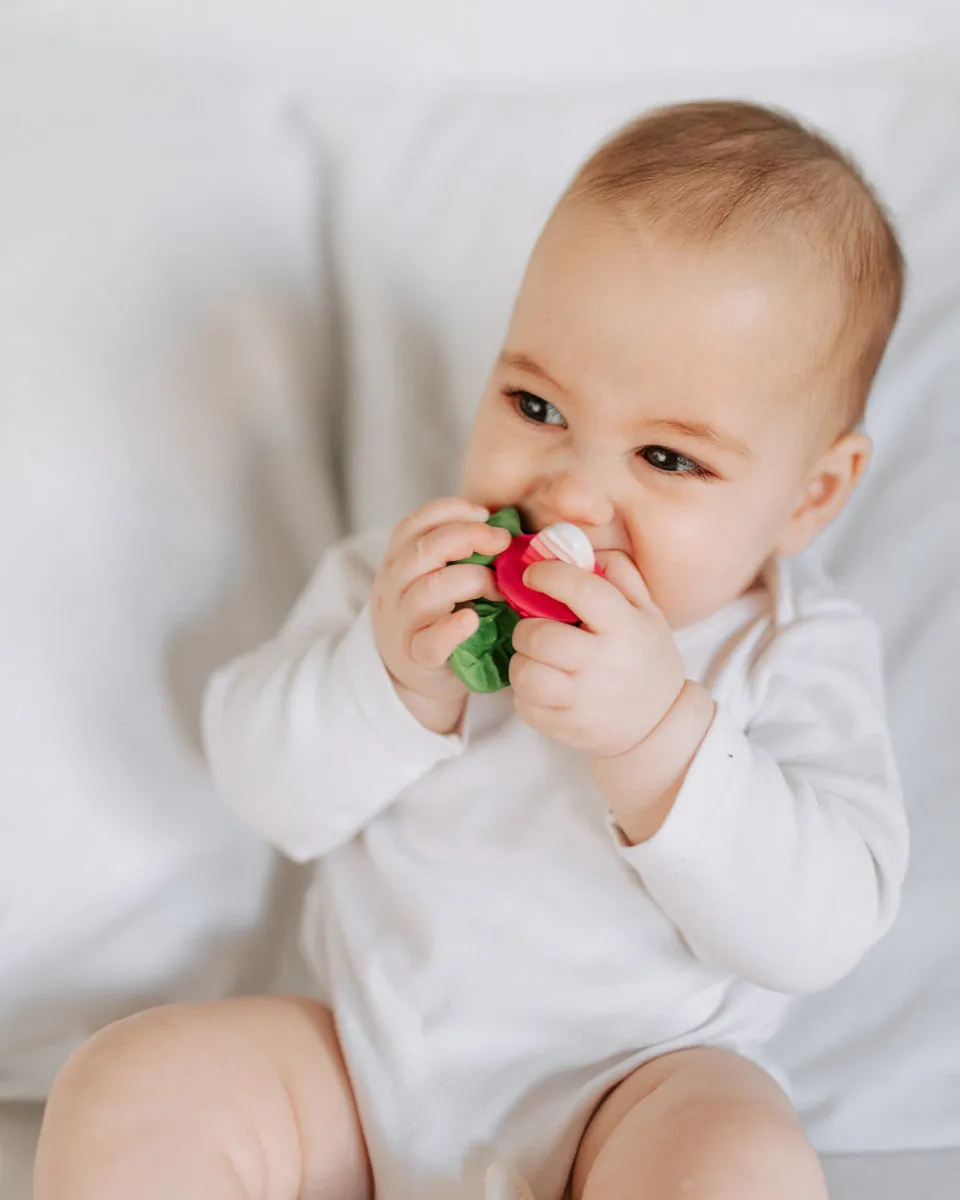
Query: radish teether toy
[482,662]
[564,542]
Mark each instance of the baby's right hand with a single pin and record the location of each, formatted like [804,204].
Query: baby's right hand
[416,624]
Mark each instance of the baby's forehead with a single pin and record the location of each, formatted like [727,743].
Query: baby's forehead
[583,242]
[737,340]
[596,289]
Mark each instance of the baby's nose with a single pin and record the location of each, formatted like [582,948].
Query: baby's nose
[581,496]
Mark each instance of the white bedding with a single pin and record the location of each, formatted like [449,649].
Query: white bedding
[161,498]
[165,453]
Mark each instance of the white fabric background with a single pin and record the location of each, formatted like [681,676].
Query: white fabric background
[160,501]
[518,41]
[163,468]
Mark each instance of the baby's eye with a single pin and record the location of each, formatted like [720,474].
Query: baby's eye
[671,463]
[536,409]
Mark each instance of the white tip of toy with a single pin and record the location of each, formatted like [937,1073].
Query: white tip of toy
[566,542]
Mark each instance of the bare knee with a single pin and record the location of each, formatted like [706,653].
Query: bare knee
[122,1059]
[190,1054]
[702,1124]
[238,1082]
[131,1101]
[748,1148]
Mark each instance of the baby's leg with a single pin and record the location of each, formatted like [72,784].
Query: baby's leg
[700,1124]
[243,1100]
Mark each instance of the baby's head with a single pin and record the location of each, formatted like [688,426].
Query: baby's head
[691,351]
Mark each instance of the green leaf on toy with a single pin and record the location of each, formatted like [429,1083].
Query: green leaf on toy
[482,662]
[503,518]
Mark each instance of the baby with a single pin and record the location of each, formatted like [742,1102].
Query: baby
[554,927]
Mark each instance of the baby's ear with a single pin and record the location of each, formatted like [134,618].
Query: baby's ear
[828,487]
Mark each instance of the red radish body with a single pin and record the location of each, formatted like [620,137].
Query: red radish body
[509,568]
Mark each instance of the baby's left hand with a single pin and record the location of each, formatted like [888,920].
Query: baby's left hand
[603,687]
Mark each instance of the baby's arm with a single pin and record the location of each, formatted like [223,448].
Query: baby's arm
[306,737]
[783,856]
[316,732]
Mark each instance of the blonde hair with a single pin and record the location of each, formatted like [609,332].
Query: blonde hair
[728,170]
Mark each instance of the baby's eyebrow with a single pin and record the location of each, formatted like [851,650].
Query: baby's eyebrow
[703,432]
[523,362]
[698,430]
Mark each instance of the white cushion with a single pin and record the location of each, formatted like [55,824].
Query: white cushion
[438,198]
[161,498]
[522,41]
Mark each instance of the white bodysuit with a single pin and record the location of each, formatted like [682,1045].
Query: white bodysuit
[495,957]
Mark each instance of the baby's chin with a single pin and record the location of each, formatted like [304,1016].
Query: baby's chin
[686,612]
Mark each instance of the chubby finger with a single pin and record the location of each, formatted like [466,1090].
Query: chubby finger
[433,596]
[622,572]
[436,512]
[434,549]
[551,722]
[598,604]
[540,686]
[557,723]
[553,643]
[431,647]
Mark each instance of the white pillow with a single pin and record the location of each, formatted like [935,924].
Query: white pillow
[522,41]
[437,201]
[161,499]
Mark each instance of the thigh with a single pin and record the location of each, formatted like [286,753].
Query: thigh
[245,1098]
[702,1124]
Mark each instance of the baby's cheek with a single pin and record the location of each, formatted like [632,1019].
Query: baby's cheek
[683,560]
[489,477]
[667,542]
[471,484]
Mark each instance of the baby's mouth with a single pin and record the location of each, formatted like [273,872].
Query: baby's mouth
[600,545]
[527,524]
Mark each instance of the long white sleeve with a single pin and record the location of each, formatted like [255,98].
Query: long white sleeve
[783,857]
[306,738]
